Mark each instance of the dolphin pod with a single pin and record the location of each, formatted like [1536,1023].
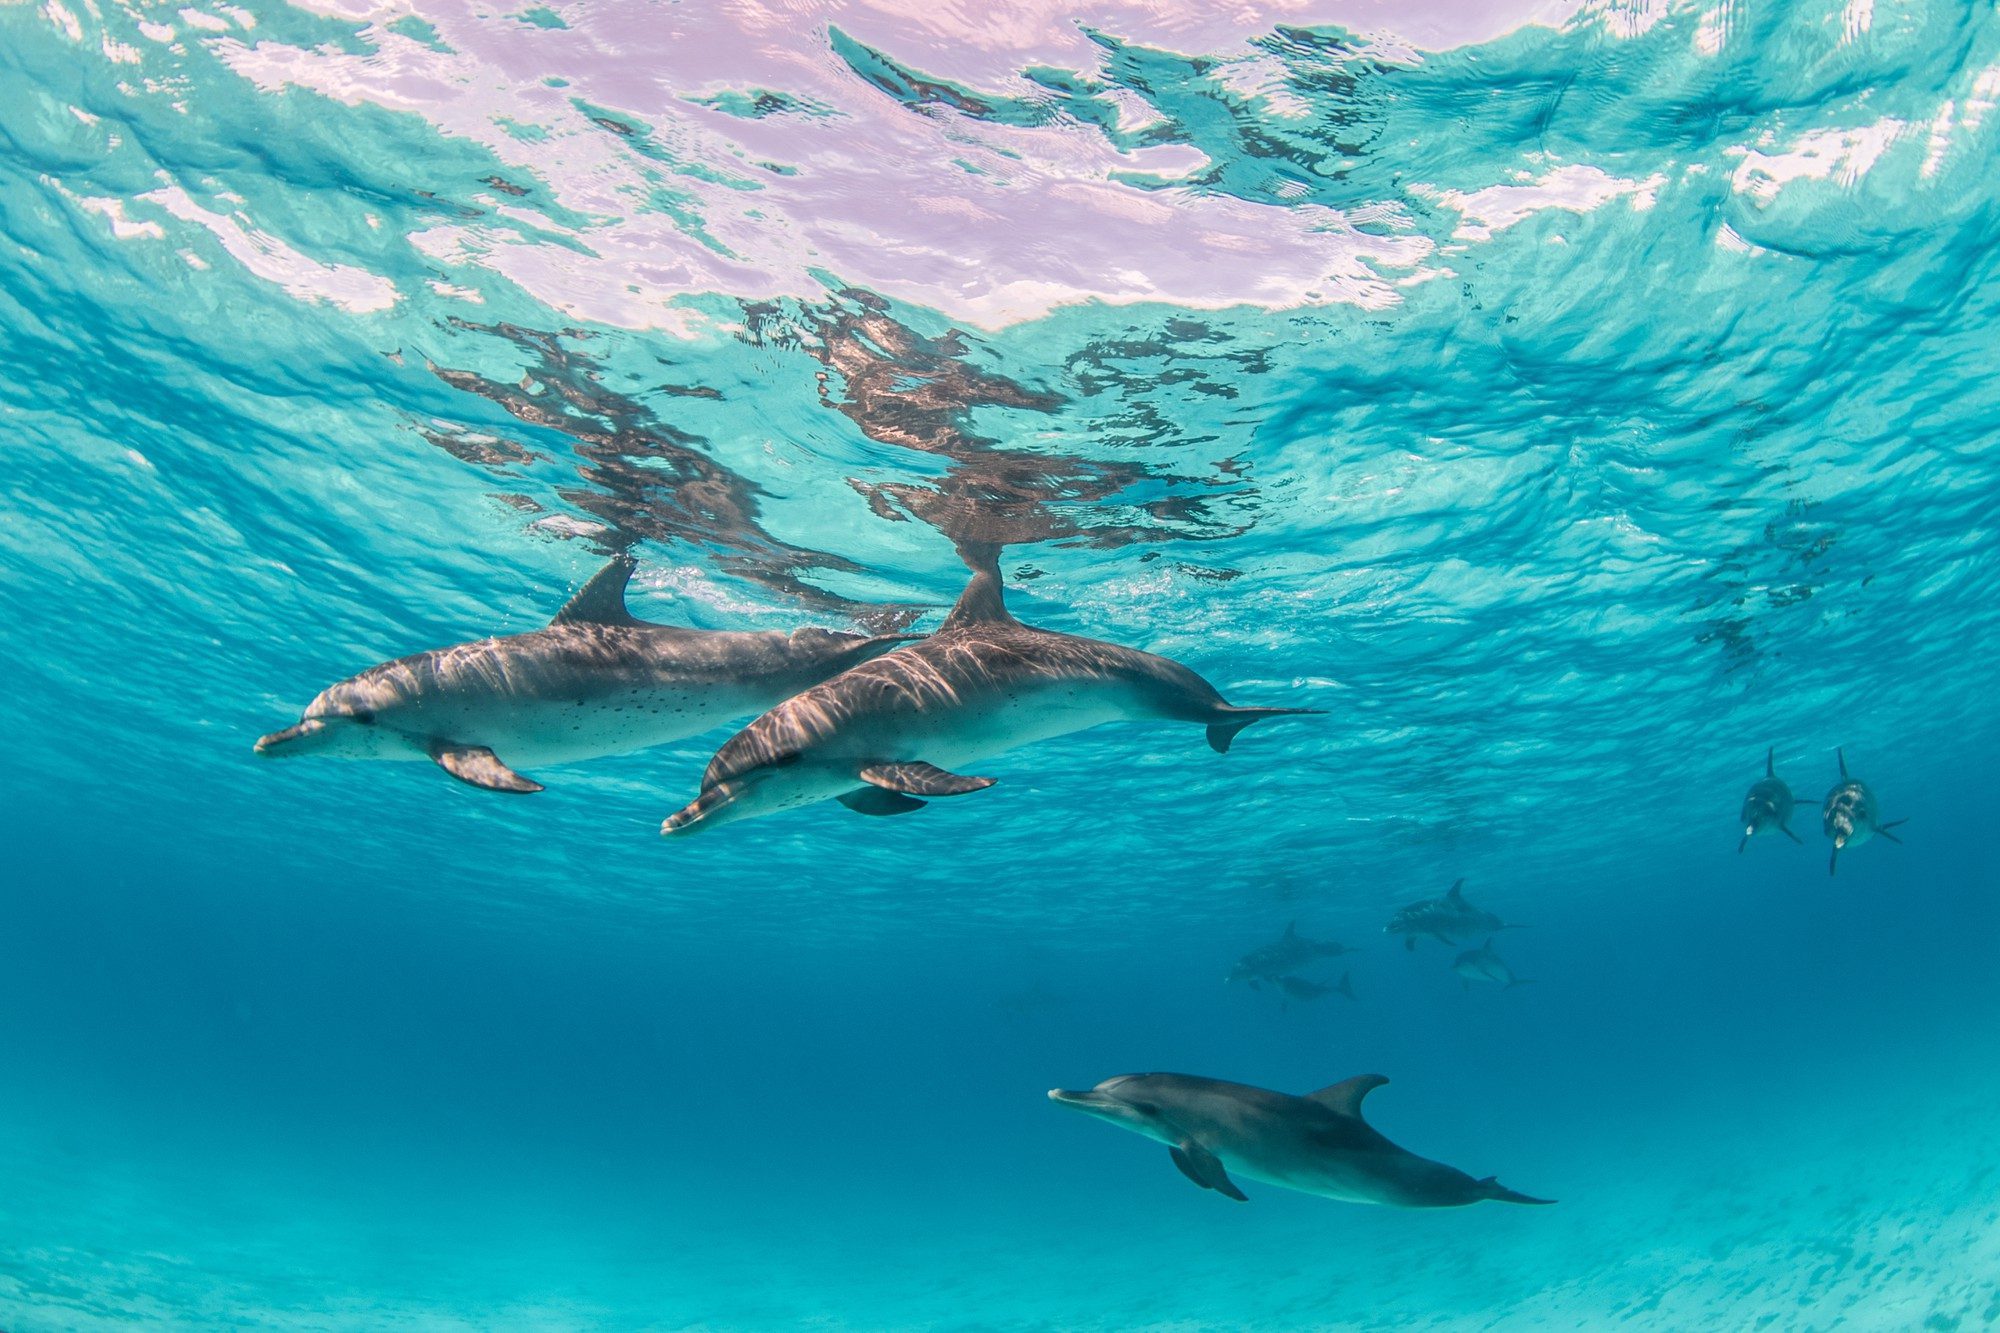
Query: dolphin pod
[1849,816]
[881,736]
[879,723]
[596,681]
[1316,1144]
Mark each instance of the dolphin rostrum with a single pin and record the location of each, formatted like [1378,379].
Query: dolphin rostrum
[881,735]
[1767,806]
[1318,1144]
[1850,816]
[1290,952]
[1448,919]
[596,681]
[1482,964]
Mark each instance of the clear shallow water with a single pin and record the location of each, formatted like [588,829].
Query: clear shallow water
[1572,411]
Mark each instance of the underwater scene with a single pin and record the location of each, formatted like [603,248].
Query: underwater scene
[1071,664]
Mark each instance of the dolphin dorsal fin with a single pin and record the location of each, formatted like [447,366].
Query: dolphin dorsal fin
[1454,892]
[601,601]
[1770,769]
[1840,756]
[983,602]
[1344,1098]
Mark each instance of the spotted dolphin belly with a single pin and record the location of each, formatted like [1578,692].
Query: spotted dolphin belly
[526,731]
[1006,720]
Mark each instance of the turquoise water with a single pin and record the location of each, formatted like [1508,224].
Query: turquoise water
[1572,402]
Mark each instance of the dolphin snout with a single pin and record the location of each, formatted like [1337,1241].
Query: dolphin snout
[275,742]
[689,817]
[1065,1097]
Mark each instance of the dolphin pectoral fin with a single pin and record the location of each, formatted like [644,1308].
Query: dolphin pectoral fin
[479,766]
[1793,836]
[876,801]
[1410,943]
[1232,720]
[921,779]
[1204,1168]
[1882,830]
[1440,937]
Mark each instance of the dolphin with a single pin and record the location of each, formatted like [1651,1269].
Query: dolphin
[1850,816]
[880,735]
[1318,1144]
[1303,989]
[596,681]
[1448,919]
[1289,953]
[1482,964]
[1768,806]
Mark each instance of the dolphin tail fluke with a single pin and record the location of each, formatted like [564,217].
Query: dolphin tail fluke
[1494,1190]
[1793,836]
[1883,829]
[1232,720]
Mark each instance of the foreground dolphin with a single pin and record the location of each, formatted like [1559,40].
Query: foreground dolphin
[1318,1143]
[595,682]
[1448,919]
[1482,964]
[879,736]
[1850,816]
[1288,954]
[1767,806]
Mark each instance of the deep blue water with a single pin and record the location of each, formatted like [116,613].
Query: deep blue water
[1572,403]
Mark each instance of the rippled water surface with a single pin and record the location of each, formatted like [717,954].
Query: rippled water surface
[1572,401]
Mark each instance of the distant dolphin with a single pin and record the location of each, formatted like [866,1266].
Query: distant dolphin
[1303,989]
[595,682]
[1290,952]
[1850,816]
[1318,1143]
[1768,806]
[1448,920]
[1482,964]
[879,736]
